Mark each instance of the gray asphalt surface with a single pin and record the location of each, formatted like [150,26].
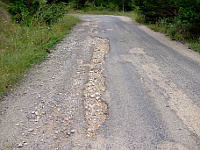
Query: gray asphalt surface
[112,84]
[140,116]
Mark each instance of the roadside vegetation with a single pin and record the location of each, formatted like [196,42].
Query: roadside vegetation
[27,36]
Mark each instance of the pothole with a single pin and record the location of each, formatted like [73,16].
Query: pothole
[95,106]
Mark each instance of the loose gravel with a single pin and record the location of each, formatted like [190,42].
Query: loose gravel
[59,98]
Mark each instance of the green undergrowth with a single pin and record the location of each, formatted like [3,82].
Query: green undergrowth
[195,46]
[174,33]
[23,46]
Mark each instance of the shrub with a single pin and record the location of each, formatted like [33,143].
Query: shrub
[50,13]
[19,11]
[27,13]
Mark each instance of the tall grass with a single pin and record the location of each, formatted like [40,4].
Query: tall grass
[23,46]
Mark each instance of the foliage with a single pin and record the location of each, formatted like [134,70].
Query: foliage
[195,46]
[50,13]
[24,11]
[181,18]
[19,11]
[187,11]
[72,5]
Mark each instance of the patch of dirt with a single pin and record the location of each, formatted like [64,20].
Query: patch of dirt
[95,107]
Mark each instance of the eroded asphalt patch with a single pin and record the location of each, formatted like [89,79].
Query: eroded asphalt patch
[60,98]
[95,107]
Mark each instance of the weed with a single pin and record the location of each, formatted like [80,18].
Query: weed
[195,46]
[50,13]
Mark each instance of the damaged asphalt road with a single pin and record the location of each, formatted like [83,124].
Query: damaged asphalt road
[111,84]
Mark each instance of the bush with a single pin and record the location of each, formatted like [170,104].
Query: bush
[72,5]
[25,13]
[50,13]
[180,17]
[19,11]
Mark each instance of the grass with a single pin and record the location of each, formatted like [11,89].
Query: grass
[195,46]
[22,46]
[175,35]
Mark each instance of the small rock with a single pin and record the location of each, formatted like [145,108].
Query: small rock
[37,119]
[20,145]
[33,112]
[36,113]
[30,130]
[72,131]
[167,105]
[66,119]
[93,95]
[43,113]
[25,144]
[97,93]
[56,132]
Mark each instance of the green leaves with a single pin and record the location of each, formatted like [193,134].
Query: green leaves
[27,11]
[50,13]
[19,11]
[182,16]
